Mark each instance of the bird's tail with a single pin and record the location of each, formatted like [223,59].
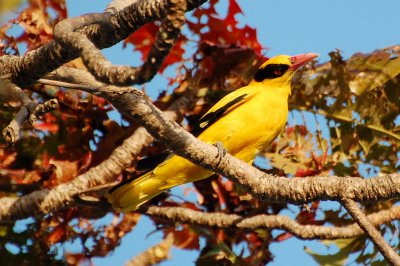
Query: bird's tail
[131,194]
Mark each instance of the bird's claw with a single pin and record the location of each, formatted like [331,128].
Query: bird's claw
[221,149]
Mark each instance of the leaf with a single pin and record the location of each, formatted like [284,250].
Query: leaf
[288,165]
[144,38]
[186,239]
[223,31]
[43,126]
[377,69]
[233,10]
[221,251]
[9,5]
[346,247]
[64,170]
[57,235]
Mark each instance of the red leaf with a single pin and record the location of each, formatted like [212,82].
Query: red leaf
[283,237]
[143,39]
[56,235]
[175,54]
[305,172]
[186,238]
[233,9]
[51,127]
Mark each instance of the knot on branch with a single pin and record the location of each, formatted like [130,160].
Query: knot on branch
[30,111]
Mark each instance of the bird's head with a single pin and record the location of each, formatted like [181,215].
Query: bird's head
[279,70]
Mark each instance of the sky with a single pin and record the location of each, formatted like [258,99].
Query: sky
[284,27]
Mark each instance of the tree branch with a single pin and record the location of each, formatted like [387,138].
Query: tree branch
[391,256]
[35,64]
[155,254]
[65,33]
[234,221]
[29,110]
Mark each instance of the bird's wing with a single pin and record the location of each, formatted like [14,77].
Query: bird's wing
[220,109]
[149,163]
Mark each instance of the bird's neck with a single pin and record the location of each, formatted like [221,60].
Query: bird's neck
[278,88]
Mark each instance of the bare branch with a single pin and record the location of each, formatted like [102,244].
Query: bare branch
[390,255]
[29,110]
[11,132]
[41,109]
[99,66]
[118,5]
[155,254]
[35,64]
[223,220]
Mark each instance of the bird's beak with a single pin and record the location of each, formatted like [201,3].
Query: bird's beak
[301,59]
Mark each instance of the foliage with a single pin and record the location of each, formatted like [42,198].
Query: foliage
[347,125]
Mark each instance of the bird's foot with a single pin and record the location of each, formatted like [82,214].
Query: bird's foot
[221,149]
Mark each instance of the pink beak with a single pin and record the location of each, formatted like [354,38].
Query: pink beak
[301,59]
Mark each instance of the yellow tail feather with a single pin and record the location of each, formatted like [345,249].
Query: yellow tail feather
[130,196]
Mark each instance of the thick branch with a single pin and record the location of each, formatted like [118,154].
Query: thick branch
[234,221]
[35,64]
[390,255]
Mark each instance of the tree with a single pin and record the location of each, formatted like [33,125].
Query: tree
[61,151]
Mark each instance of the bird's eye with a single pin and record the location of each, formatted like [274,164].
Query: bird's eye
[278,72]
[270,72]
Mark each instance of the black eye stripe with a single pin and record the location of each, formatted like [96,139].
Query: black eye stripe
[271,71]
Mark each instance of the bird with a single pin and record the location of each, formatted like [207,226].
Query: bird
[245,122]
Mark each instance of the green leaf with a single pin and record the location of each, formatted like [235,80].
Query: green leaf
[377,69]
[346,247]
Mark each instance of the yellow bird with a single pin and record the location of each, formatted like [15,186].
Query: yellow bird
[245,121]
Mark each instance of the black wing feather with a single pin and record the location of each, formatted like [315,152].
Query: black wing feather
[212,117]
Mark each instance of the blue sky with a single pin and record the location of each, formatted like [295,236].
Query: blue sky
[289,27]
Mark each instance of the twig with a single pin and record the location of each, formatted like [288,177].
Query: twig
[155,254]
[67,85]
[28,112]
[41,109]
[11,132]
[390,255]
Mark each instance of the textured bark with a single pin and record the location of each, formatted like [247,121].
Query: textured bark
[154,254]
[35,64]
[233,221]
[362,220]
